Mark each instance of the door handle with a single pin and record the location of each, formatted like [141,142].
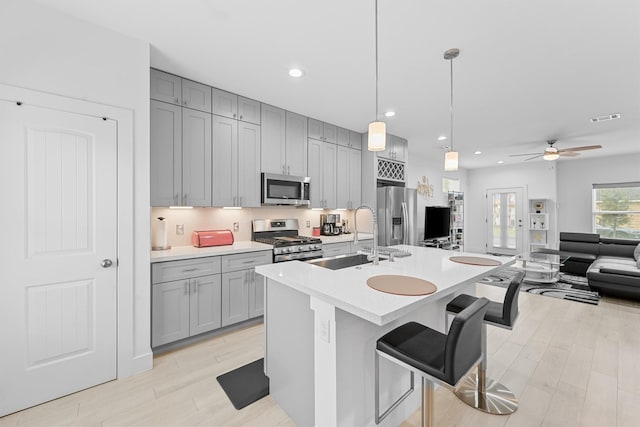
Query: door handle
[106,263]
[405,225]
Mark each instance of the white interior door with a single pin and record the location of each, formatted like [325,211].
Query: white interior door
[504,221]
[58,293]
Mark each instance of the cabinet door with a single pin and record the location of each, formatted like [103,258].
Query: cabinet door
[343,137]
[330,132]
[387,153]
[316,129]
[399,148]
[333,249]
[248,162]
[196,158]
[256,294]
[248,110]
[225,162]
[196,96]
[272,139]
[224,103]
[342,171]
[235,297]
[355,178]
[166,87]
[205,303]
[169,312]
[296,144]
[166,154]
[355,140]
[329,171]
[314,171]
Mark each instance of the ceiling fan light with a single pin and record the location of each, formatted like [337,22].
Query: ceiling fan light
[377,136]
[551,155]
[451,161]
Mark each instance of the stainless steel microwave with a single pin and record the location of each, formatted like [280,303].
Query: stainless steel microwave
[285,190]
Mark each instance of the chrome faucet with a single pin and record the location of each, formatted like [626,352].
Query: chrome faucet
[374,252]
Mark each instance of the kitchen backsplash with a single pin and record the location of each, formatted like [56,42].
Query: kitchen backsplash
[218,218]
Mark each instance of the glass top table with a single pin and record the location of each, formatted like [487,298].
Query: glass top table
[540,267]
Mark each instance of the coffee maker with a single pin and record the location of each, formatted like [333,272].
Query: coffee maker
[330,224]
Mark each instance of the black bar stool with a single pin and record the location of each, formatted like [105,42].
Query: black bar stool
[438,358]
[477,390]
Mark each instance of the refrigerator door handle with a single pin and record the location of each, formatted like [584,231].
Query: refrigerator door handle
[405,224]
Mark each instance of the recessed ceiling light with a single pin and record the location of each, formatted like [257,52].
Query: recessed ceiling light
[500,162]
[390,114]
[478,152]
[442,138]
[296,72]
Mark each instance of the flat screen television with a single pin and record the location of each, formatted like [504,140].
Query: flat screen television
[437,222]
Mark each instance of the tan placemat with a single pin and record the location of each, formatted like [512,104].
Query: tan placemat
[475,260]
[401,285]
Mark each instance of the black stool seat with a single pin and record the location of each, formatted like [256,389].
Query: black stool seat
[494,312]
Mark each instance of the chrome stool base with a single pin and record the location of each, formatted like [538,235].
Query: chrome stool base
[496,398]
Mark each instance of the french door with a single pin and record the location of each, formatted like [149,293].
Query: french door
[59,253]
[505,211]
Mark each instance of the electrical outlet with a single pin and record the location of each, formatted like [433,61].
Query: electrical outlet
[308,224]
[236,226]
[179,229]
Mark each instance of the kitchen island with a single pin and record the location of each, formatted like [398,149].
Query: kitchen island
[321,328]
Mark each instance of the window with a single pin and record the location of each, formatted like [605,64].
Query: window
[616,210]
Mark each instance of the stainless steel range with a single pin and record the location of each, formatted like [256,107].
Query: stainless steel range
[283,235]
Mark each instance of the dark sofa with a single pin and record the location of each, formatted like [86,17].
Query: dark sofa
[610,265]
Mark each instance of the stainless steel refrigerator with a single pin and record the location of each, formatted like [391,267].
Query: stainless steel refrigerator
[397,216]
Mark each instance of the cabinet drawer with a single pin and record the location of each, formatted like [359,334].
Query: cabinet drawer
[333,249]
[245,261]
[184,269]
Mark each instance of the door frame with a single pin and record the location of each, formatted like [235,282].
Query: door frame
[519,219]
[127,361]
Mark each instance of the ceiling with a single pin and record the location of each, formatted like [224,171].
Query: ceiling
[527,71]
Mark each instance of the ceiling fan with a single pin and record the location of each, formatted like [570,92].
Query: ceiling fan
[552,153]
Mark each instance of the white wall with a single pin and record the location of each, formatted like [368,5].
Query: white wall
[575,180]
[50,52]
[538,180]
[433,170]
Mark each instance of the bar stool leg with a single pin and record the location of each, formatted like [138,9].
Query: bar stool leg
[428,389]
[485,393]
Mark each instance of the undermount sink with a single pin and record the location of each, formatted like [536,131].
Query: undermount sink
[342,261]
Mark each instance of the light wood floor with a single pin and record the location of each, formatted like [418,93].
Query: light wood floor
[570,364]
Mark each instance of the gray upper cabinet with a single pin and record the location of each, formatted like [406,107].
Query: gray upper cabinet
[284,142]
[249,152]
[355,178]
[166,154]
[349,181]
[225,104]
[225,161]
[237,107]
[296,144]
[196,96]
[196,158]
[343,137]
[166,87]
[395,149]
[322,168]
[322,131]
[248,110]
[355,140]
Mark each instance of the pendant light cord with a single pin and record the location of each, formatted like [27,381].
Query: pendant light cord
[376,60]
[451,109]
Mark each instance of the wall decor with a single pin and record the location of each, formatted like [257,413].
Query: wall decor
[424,188]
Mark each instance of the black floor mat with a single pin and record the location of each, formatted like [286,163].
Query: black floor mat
[246,384]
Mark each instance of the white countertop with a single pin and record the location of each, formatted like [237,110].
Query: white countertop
[340,238]
[186,252]
[347,288]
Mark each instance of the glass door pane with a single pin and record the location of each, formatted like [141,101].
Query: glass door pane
[505,221]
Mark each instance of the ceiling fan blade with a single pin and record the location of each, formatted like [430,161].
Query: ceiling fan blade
[568,154]
[583,148]
[529,154]
[534,157]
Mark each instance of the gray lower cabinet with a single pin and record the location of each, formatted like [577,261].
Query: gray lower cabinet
[333,249]
[242,288]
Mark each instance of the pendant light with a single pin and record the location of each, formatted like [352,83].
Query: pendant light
[377,129]
[451,156]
